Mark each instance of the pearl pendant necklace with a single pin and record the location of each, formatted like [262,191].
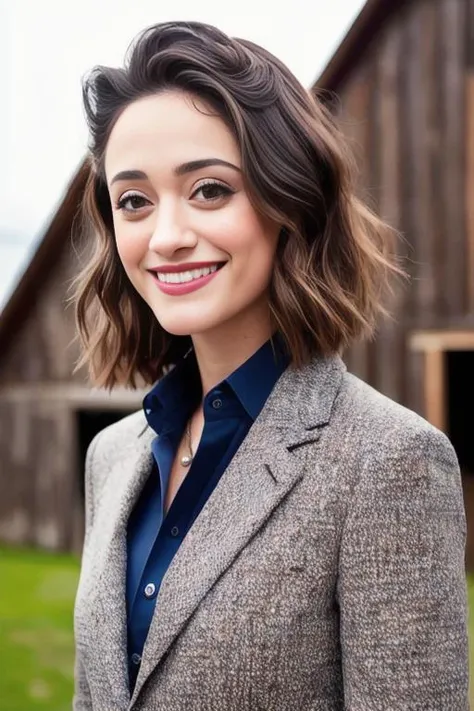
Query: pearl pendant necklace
[188,458]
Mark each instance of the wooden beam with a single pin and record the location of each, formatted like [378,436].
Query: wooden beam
[432,341]
[435,390]
[76,396]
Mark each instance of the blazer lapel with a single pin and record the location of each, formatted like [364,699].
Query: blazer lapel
[269,463]
[124,484]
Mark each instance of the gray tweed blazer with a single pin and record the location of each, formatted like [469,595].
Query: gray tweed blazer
[325,572]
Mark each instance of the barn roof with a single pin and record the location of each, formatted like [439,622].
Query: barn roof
[44,259]
[372,16]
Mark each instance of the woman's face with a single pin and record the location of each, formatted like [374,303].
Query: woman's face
[187,234]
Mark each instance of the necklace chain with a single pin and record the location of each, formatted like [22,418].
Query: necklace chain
[188,458]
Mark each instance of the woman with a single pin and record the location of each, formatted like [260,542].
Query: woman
[269,532]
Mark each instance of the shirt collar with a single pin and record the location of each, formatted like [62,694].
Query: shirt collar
[178,393]
[254,380]
[175,396]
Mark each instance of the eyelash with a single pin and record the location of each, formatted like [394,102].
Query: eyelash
[225,192]
[121,202]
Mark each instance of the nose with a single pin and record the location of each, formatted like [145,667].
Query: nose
[171,231]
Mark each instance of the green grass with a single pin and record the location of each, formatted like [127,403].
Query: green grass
[36,640]
[470,588]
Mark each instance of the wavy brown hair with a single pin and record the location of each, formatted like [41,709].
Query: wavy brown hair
[333,259]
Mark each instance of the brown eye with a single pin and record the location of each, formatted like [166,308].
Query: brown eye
[131,202]
[212,191]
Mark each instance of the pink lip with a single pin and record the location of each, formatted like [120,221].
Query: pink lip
[186,287]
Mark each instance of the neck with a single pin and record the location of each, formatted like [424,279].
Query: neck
[221,352]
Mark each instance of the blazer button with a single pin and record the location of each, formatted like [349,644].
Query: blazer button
[136,659]
[150,590]
[217,403]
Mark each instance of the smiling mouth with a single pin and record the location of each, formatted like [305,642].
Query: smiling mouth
[186,276]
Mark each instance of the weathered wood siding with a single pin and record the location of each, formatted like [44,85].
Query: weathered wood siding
[40,468]
[408,110]
[44,349]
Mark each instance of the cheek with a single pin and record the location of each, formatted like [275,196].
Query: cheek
[129,247]
[256,247]
[246,237]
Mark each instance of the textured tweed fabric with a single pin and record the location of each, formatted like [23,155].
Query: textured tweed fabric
[325,572]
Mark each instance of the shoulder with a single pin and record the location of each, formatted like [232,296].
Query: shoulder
[381,430]
[113,441]
[110,445]
[381,455]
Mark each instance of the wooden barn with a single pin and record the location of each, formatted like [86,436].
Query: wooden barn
[48,416]
[402,85]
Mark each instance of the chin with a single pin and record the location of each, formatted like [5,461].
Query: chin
[189,322]
[183,327]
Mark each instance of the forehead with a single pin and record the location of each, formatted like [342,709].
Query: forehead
[168,129]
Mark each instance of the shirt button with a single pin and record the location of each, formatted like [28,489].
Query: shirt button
[150,590]
[174,531]
[136,659]
[217,403]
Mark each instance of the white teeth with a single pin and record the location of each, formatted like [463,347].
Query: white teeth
[182,277]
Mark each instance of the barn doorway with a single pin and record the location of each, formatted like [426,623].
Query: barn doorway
[459,368]
[89,423]
[449,404]
[460,411]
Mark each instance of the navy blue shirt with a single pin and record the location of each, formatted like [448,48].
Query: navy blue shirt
[230,409]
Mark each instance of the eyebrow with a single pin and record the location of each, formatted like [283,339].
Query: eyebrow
[183,169]
[193,165]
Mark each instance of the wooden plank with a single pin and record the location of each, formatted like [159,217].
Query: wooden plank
[373,185]
[435,390]
[469,190]
[451,86]
[16,490]
[419,154]
[469,129]
[390,346]
[354,122]
[67,478]
[469,35]
[45,531]
[54,483]
[7,497]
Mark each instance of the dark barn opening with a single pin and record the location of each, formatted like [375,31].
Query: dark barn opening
[90,423]
[460,423]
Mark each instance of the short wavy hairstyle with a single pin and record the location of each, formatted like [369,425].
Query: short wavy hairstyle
[334,256]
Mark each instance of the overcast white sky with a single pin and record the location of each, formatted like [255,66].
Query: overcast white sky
[46,46]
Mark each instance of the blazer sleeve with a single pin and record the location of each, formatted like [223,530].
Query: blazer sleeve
[82,697]
[402,587]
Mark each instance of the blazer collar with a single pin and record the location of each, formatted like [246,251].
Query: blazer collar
[303,398]
[269,463]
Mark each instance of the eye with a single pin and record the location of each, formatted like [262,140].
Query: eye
[131,202]
[211,190]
